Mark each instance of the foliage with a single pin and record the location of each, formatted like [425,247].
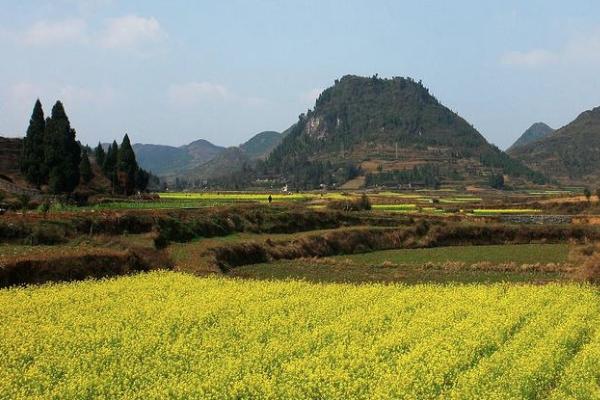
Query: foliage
[587,193]
[62,152]
[51,155]
[85,169]
[360,118]
[109,167]
[99,154]
[24,199]
[223,339]
[427,175]
[121,168]
[126,166]
[32,158]
[496,181]
[351,204]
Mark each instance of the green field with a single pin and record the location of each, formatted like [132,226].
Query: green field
[168,335]
[519,253]
[511,211]
[415,266]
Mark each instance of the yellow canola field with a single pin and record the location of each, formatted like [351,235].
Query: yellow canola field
[169,335]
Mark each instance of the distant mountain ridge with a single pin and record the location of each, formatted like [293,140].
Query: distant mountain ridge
[169,160]
[571,154]
[194,159]
[535,132]
[261,144]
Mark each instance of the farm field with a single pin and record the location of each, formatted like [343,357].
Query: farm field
[465,264]
[518,253]
[166,334]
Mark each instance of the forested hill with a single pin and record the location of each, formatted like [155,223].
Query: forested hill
[262,144]
[571,154]
[391,131]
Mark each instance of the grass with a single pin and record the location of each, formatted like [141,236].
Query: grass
[168,335]
[506,211]
[413,266]
[395,207]
[519,253]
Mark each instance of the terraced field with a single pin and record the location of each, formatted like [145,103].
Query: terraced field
[168,335]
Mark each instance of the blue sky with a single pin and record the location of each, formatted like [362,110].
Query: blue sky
[174,71]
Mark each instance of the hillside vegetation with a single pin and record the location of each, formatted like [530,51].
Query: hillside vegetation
[571,154]
[395,124]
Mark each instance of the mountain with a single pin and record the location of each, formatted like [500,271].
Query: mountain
[535,132]
[393,131]
[570,155]
[261,144]
[228,168]
[168,160]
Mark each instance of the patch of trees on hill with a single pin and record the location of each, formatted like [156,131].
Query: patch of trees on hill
[427,175]
[52,156]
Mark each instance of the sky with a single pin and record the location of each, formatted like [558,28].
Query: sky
[170,72]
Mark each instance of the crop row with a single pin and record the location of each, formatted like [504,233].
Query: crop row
[163,335]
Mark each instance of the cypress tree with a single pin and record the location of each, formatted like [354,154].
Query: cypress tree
[110,163]
[32,157]
[99,154]
[85,169]
[142,179]
[127,166]
[62,152]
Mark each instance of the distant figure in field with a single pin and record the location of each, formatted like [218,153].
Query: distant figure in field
[270,199]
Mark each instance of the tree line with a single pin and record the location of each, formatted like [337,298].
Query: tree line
[51,156]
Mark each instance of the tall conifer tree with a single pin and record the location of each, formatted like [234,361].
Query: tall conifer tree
[110,164]
[32,158]
[62,152]
[85,168]
[99,154]
[127,166]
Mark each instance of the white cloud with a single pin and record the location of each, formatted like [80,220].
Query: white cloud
[582,49]
[18,99]
[130,31]
[76,96]
[55,32]
[194,93]
[529,59]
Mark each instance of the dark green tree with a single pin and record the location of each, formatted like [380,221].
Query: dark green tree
[32,158]
[99,154]
[62,152]
[142,179]
[496,181]
[587,193]
[85,169]
[126,166]
[110,163]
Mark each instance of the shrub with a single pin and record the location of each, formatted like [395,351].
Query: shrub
[361,204]
[590,270]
